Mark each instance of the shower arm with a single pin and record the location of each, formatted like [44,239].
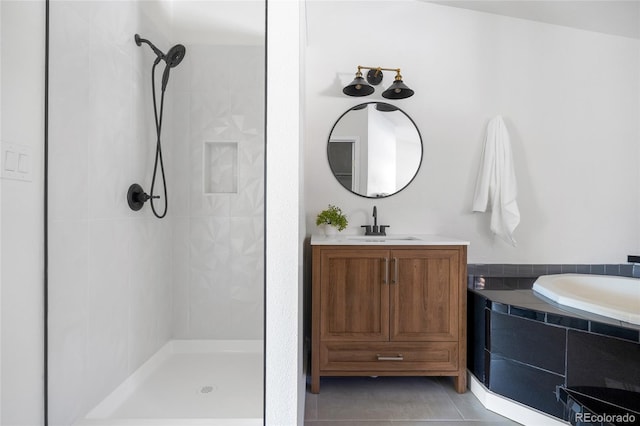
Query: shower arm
[139,40]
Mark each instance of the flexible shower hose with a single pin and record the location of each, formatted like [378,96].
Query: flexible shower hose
[158,159]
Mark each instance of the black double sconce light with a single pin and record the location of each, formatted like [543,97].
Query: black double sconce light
[362,87]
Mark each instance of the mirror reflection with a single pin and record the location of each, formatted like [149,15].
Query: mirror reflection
[374,150]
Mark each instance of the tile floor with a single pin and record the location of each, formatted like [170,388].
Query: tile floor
[395,401]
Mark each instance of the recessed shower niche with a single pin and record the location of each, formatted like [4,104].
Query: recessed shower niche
[220,167]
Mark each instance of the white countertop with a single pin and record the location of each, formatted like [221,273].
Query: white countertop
[388,240]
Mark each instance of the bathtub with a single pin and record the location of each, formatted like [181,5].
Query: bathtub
[189,382]
[610,296]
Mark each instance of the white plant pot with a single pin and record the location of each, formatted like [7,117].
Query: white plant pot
[330,231]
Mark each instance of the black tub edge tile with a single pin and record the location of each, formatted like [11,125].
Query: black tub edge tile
[526,313]
[569,322]
[526,283]
[522,270]
[554,269]
[613,331]
[540,270]
[496,269]
[499,307]
[569,269]
[510,270]
[626,270]
[612,269]
[583,269]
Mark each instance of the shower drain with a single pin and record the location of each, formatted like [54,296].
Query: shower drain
[206,389]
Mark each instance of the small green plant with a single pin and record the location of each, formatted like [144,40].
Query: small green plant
[332,216]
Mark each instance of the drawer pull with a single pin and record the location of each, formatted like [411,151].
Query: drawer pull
[398,357]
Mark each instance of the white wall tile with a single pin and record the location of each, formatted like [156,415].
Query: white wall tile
[111,133]
[108,306]
[178,149]
[180,276]
[111,280]
[150,280]
[68,114]
[226,230]
[68,309]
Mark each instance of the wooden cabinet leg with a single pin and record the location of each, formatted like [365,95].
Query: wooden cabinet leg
[460,383]
[315,383]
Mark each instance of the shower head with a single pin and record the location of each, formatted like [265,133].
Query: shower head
[173,57]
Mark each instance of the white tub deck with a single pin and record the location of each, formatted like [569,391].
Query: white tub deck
[610,296]
[190,383]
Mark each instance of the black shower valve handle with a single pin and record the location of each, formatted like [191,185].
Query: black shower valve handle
[136,197]
[144,197]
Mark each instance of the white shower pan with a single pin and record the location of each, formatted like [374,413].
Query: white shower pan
[190,382]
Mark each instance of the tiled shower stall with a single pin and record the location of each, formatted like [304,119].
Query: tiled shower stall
[123,283]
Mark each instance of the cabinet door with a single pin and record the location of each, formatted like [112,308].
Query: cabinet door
[424,294]
[354,295]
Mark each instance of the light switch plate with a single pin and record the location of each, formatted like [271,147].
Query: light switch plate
[16,162]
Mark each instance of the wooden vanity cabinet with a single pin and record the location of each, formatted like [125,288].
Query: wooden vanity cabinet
[392,310]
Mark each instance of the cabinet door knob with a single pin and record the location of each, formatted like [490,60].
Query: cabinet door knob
[398,357]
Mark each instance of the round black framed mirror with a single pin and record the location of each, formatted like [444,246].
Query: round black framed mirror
[375,150]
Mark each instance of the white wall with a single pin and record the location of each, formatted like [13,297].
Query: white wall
[569,98]
[285,379]
[21,208]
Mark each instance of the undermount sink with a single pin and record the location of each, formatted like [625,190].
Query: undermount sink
[383,238]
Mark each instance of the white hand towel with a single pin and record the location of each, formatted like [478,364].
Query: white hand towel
[497,182]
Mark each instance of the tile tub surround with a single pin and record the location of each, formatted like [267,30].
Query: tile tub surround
[520,279]
[517,342]
[528,270]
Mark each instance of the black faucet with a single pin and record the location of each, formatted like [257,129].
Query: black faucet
[375,229]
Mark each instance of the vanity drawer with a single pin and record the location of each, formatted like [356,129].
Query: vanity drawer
[388,356]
